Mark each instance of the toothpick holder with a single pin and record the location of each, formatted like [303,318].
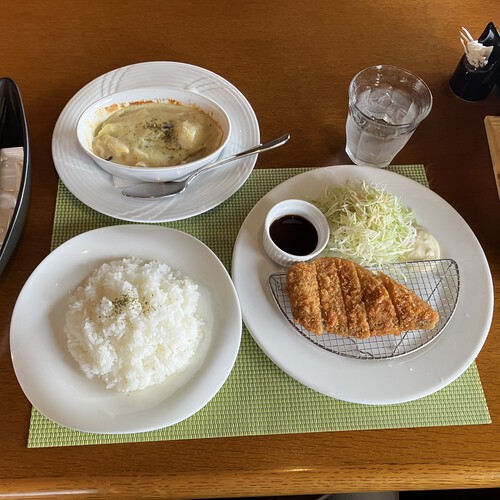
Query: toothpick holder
[475,84]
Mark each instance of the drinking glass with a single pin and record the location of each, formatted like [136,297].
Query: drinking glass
[386,104]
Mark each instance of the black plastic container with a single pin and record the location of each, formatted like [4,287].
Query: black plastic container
[14,133]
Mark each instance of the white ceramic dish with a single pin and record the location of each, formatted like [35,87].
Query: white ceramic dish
[52,380]
[93,117]
[299,208]
[367,381]
[94,187]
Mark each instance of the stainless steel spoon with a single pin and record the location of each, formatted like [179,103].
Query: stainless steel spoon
[173,188]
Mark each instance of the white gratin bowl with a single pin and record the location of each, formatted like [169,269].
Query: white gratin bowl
[94,115]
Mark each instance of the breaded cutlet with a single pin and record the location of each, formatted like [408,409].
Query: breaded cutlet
[330,295]
[355,310]
[413,312]
[380,312]
[303,292]
[341,297]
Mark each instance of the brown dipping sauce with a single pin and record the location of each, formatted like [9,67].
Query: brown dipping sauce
[294,234]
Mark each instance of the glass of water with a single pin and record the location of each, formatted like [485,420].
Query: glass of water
[386,104]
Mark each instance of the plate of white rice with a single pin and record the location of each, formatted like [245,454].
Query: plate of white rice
[124,329]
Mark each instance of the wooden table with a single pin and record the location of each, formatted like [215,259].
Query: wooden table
[293,61]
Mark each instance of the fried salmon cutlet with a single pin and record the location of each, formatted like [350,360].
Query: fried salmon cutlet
[339,296]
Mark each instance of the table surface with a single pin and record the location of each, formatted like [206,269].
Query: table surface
[293,61]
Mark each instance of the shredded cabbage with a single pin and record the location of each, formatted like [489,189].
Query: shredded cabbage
[367,224]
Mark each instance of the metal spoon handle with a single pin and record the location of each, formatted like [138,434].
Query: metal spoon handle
[252,151]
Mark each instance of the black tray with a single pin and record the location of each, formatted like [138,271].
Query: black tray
[14,133]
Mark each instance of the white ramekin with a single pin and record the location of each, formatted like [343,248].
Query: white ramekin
[303,209]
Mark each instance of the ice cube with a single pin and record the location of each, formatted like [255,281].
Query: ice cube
[399,115]
[378,101]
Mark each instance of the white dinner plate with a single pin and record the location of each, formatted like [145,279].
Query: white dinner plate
[52,380]
[391,381]
[94,187]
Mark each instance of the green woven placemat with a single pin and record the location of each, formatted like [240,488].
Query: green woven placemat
[259,398]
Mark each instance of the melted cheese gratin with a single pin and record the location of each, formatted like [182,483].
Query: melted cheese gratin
[156,135]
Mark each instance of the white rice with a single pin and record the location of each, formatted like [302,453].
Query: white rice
[133,324]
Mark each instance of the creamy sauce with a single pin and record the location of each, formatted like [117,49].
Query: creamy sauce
[156,135]
[426,247]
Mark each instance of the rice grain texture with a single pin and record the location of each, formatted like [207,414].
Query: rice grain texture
[133,323]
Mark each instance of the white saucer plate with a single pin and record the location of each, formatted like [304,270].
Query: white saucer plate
[94,187]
